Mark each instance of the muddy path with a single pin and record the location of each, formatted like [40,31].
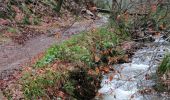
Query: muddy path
[13,55]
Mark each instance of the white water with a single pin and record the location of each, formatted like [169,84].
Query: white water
[130,77]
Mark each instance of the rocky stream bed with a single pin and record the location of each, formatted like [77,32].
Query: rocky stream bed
[136,80]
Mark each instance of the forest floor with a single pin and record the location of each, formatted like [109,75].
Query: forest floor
[14,55]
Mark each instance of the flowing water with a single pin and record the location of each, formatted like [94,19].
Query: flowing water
[130,79]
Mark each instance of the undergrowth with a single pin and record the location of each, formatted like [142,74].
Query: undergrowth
[81,47]
[72,66]
[165,65]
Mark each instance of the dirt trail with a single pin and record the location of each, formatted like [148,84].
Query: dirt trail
[13,55]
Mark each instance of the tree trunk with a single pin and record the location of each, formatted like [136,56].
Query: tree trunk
[59,5]
[114,8]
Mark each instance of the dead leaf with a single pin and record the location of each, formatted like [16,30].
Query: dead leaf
[111,77]
[162,27]
[122,76]
[153,7]
[126,58]
[98,94]
[16,9]
[112,60]
[97,71]
[94,30]
[19,17]
[90,72]
[126,16]
[118,17]
[97,59]
[105,69]
[60,94]
[8,34]
[57,35]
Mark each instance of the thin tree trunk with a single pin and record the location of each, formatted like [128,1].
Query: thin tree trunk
[59,5]
[114,9]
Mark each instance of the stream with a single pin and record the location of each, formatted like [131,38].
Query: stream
[130,79]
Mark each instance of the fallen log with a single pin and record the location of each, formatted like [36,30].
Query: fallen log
[103,10]
[109,11]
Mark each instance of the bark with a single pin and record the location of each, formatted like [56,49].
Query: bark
[59,5]
[114,8]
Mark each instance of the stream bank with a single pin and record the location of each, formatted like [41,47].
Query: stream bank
[15,56]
